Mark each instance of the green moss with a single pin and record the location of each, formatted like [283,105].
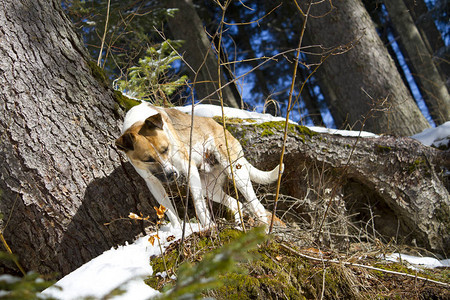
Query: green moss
[443,215]
[418,163]
[163,263]
[263,278]
[266,132]
[269,128]
[98,73]
[383,149]
[125,102]
[218,119]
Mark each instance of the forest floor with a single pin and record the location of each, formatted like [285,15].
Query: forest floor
[282,268]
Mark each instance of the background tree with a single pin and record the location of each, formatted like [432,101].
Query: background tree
[427,75]
[257,30]
[199,54]
[355,80]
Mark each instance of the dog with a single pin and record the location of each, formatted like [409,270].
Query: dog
[157,142]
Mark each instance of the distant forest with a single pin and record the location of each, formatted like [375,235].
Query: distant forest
[378,65]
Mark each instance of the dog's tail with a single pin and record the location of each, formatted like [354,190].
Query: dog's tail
[264,177]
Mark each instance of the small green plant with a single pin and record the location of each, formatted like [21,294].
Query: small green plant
[23,288]
[194,279]
[151,79]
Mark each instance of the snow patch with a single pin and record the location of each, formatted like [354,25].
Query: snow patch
[210,111]
[351,133]
[439,136]
[415,261]
[125,267]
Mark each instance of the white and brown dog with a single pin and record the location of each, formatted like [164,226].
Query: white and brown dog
[156,140]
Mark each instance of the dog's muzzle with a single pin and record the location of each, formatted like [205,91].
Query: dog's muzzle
[167,176]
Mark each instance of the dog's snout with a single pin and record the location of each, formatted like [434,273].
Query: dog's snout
[167,176]
[172,175]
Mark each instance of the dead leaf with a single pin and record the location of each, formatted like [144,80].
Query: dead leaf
[160,211]
[152,238]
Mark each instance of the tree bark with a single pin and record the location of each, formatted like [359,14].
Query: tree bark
[60,177]
[395,184]
[62,180]
[363,76]
[424,22]
[432,37]
[427,75]
[198,54]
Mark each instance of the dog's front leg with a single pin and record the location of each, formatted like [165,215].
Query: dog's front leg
[158,191]
[201,207]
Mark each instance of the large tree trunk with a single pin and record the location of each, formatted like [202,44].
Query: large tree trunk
[434,91]
[60,176]
[360,78]
[198,54]
[393,185]
[423,18]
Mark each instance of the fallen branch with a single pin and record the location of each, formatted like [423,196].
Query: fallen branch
[347,263]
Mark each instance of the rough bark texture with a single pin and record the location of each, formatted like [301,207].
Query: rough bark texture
[359,78]
[434,91]
[423,18]
[60,177]
[395,182]
[198,54]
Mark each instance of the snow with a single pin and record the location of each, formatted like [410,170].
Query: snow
[415,261]
[125,267]
[439,136]
[351,133]
[209,111]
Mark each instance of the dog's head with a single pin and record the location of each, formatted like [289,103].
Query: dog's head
[148,147]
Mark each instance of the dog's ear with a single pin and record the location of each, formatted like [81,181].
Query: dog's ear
[125,142]
[154,121]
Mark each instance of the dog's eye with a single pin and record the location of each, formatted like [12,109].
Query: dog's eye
[148,160]
[164,151]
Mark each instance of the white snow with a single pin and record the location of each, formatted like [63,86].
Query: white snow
[415,261]
[351,133]
[435,136]
[125,267]
[209,111]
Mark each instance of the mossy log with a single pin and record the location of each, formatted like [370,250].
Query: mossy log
[393,185]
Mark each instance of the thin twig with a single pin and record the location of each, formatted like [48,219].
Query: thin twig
[5,244]
[104,34]
[286,124]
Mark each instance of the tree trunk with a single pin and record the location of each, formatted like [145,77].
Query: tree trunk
[363,76]
[60,177]
[393,185]
[436,94]
[432,37]
[198,54]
